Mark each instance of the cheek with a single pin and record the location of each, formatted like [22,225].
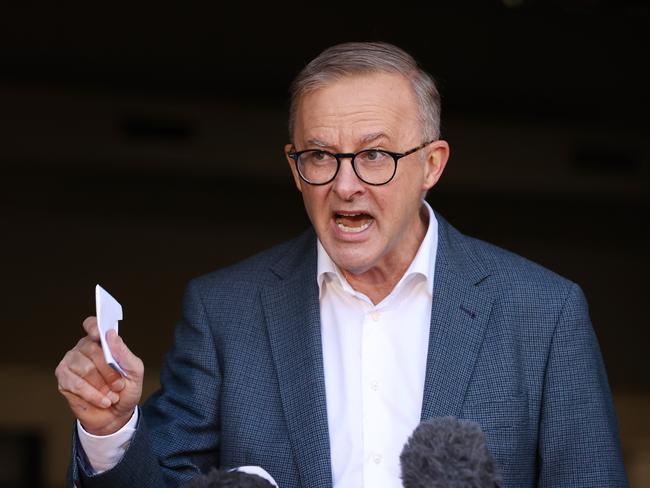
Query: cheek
[390,200]
[315,200]
[397,205]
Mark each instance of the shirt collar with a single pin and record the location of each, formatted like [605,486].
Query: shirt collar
[423,263]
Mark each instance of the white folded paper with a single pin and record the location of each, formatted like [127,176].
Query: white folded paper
[109,313]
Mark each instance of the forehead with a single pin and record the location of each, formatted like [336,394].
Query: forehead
[354,106]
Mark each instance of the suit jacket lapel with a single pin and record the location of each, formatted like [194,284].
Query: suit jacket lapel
[459,316]
[293,320]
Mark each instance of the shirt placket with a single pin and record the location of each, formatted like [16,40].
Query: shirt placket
[375,414]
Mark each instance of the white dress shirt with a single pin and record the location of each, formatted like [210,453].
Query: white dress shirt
[375,362]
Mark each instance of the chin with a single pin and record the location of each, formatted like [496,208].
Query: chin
[356,262]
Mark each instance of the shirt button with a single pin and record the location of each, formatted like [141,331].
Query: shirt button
[375,316]
[374,385]
[376,458]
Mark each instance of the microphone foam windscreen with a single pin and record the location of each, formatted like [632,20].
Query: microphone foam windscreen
[228,479]
[448,453]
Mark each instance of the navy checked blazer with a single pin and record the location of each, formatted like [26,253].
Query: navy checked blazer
[511,347]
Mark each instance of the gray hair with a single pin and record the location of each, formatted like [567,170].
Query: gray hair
[359,58]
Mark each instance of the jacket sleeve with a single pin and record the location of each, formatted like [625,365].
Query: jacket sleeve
[178,433]
[138,465]
[579,441]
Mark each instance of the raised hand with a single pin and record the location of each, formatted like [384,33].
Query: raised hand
[99,396]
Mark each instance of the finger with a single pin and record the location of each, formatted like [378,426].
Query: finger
[81,365]
[108,388]
[93,352]
[131,363]
[77,403]
[69,382]
[85,368]
[91,328]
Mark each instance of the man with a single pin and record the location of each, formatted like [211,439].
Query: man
[316,359]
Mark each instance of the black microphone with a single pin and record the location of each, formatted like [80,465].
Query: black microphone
[448,453]
[228,479]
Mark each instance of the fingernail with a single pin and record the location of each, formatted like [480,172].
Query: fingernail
[106,402]
[113,397]
[117,385]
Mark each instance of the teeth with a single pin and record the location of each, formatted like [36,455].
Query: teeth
[345,228]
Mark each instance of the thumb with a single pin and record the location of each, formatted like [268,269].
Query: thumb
[128,361]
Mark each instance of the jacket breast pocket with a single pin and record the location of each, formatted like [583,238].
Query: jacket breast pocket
[507,412]
[509,431]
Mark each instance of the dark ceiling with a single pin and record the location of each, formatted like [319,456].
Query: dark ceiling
[517,59]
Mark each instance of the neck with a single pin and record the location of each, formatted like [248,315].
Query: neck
[380,280]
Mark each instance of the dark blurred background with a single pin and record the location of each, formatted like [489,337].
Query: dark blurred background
[141,145]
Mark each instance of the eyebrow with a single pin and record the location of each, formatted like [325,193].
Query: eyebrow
[373,137]
[317,142]
[368,138]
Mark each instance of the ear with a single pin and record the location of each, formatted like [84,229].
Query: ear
[294,171]
[437,156]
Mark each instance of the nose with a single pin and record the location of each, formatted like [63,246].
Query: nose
[346,184]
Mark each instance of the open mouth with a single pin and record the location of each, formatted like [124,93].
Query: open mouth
[353,222]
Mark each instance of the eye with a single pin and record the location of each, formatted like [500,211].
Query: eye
[316,157]
[372,155]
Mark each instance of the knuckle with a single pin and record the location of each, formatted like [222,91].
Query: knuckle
[68,357]
[86,348]
[72,357]
[93,349]
[77,384]
[60,369]
[60,372]
[85,369]
[80,344]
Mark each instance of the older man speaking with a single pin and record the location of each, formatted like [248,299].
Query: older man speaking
[316,359]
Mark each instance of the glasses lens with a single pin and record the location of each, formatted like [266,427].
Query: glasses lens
[317,166]
[374,167]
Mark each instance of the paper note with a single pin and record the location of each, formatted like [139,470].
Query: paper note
[109,313]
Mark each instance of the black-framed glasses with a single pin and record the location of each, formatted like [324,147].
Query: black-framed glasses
[372,166]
